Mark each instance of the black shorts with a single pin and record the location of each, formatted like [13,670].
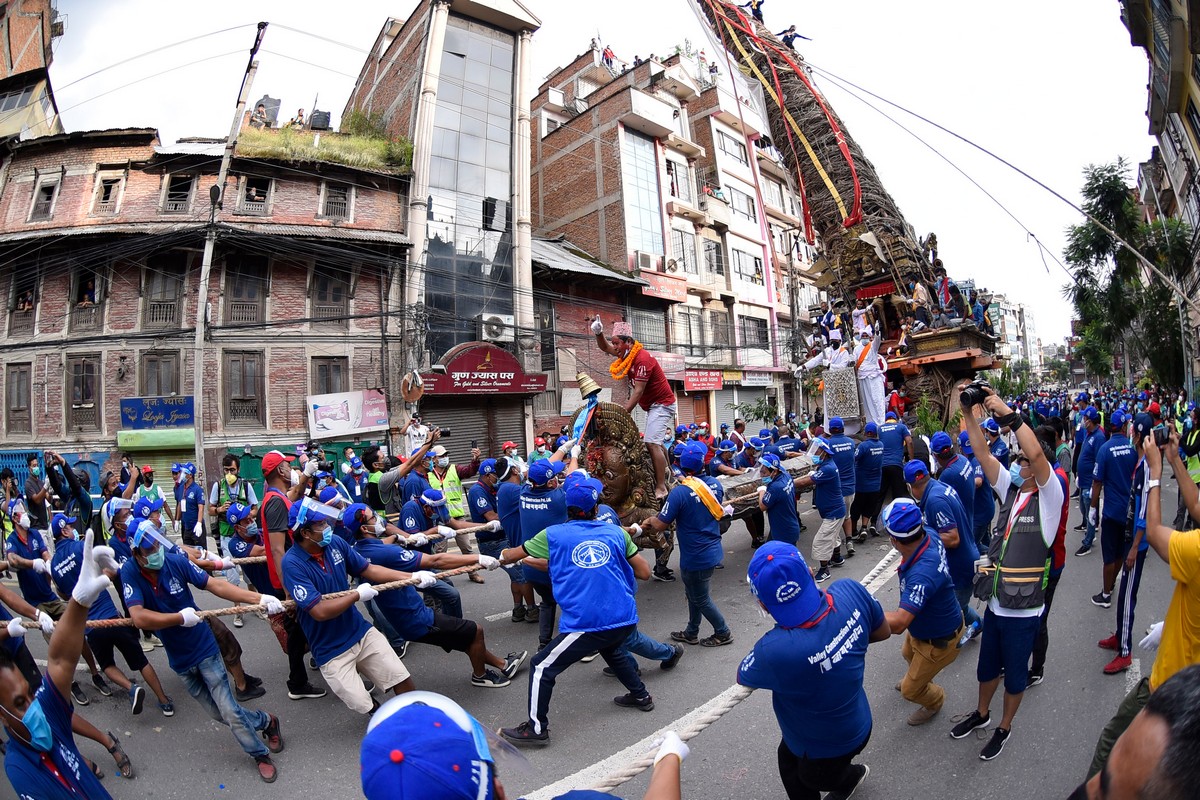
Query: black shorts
[104,641]
[449,633]
[1112,539]
[866,504]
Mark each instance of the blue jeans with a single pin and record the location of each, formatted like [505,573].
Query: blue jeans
[208,682]
[700,603]
[450,599]
[639,644]
[1085,501]
[963,596]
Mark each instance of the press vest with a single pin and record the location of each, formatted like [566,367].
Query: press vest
[1193,462]
[450,486]
[591,576]
[375,501]
[1019,555]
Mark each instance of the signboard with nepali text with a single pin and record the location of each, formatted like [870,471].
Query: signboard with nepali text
[757,379]
[480,368]
[157,413]
[346,413]
[703,380]
[664,288]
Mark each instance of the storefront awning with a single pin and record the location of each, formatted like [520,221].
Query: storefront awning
[166,439]
[559,254]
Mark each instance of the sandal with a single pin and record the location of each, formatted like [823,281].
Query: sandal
[99,773]
[124,768]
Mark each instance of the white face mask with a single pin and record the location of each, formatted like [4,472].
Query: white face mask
[510,453]
[380,525]
[295,477]
[443,462]
[24,521]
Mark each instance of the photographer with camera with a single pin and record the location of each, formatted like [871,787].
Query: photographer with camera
[1028,523]
[415,433]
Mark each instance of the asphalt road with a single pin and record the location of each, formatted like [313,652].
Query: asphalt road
[189,756]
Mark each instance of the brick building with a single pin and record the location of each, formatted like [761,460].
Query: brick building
[28,29]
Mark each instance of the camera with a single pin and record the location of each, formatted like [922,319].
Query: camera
[443,432]
[973,393]
[1161,436]
[325,466]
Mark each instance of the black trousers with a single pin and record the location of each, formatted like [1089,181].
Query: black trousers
[1042,642]
[893,484]
[805,778]
[567,648]
[756,523]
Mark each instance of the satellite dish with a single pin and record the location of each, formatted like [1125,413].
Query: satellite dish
[672,266]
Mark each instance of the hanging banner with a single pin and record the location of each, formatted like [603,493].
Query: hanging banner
[346,413]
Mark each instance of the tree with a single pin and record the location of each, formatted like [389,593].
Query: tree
[1058,370]
[761,410]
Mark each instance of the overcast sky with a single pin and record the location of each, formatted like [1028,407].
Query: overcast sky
[1051,86]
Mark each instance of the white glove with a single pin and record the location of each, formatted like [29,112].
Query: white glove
[175,526]
[762,490]
[105,558]
[310,467]
[494,526]
[637,529]
[198,530]
[671,744]
[1093,515]
[226,563]
[489,562]
[567,445]
[15,629]
[425,579]
[417,540]
[91,580]
[190,617]
[366,592]
[728,509]
[445,530]
[597,326]
[39,566]
[272,603]
[575,451]
[1153,637]
[46,622]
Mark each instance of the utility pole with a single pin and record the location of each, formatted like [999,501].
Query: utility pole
[216,195]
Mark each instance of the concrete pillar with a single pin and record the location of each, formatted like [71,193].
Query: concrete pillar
[527,339]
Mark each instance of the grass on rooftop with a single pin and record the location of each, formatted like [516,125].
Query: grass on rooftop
[375,153]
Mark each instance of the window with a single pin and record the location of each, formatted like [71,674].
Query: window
[714,257]
[43,200]
[87,301]
[754,333]
[108,194]
[330,375]
[83,412]
[179,194]
[680,179]
[748,267]
[732,147]
[718,327]
[255,196]
[643,205]
[22,301]
[336,204]
[1193,120]
[17,394]
[17,98]
[649,327]
[683,244]
[784,242]
[689,331]
[244,388]
[164,290]
[543,313]
[330,295]
[773,194]
[245,288]
[743,205]
[160,374]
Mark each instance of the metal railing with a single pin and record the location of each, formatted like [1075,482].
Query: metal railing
[162,314]
[20,323]
[42,209]
[245,312]
[85,415]
[87,318]
[244,410]
[336,207]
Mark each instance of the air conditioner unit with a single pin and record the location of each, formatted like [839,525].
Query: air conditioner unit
[496,327]
[647,262]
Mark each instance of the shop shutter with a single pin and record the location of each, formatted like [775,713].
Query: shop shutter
[489,421]
[161,461]
[721,411]
[685,408]
[16,461]
[507,421]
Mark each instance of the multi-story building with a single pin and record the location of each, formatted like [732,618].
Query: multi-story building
[28,29]
[1007,319]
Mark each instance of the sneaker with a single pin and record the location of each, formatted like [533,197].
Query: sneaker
[533,614]
[238,621]
[1108,644]
[837,560]
[167,708]
[251,680]
[849,549]
[1076,492]
[523,735]
[512,664]
[671,662]
[1083,550]
[137,698]
[664,575]
[874,534]
[612,673]
[77,694]
[822,575]
[1034,678]
[860,535]
[490,679]
[717,640]
[401,651]
[995,745]
[922,715]
[249,693]
[519,613]
[974,721]
[154,640]
[862,771]
[101,685]
[645,703]
[1080,527]
[1117,665]
[272,735]
[685,637]
[266,768]
[307,692]
[146,646]
[968,634]
[1102,599]
[589,658]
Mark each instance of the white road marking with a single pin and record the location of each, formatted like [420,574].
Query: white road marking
[1133,675]
[498,617]
[874,580]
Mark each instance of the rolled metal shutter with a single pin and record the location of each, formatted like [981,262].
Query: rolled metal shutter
[489,421]
[721,410]
[685,408]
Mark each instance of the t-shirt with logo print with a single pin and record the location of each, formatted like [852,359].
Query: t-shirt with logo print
[64,569]
[927,590]
[696,530]
[166,591]
[481,499]
[309,578]
[944,511]
[780,500]
[35,586]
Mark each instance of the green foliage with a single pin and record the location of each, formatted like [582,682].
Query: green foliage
[761,410]
[1006,383]
[929,419]
[369,125]
[1059,370]
[378,154]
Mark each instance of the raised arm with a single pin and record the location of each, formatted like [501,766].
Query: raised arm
[1031,448]
[1157,534]
[990,464]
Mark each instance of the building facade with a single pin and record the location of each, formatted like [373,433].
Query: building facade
[28,29]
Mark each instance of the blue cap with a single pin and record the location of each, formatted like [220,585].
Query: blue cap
[350,517]
[145,506]
[726,446]
[236,513]
[764,432]
[914,469]
[1143,396]
[487,466]
[59,520]
[329,494]
[771,460]
[836,424]
[176,467]
[755,443]
[890,415]
[356,463]
[1091,413]
[871,428]
[941,442]
[724,426]
[575,478]
[964,443]
[681,429]
[783,583]
[991,426]
[542,470]
[582,496]
[902,517]
[1118,420]
[692,456]
[323,474]
[560,441]
[691,426]
[433,497]
[1143,424]
[189,468]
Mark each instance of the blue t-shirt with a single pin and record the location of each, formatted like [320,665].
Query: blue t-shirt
[843,456]
[868,465]
[481,500]
[927,591]
[508,507]
[606,513]
[985,498]
[24,767]
[999,451]
[959,475]
[258,574]
[697,531]
[815,674]
[64,568]
[405,608]
[309,579]
[191,503]
[789,444]
[414,486]
[892,435]
[827,490]
[539,510]
[743,461]
[1115,464]
[942,511]
[780,500]
[356,487]
[166,591]
[1092,442]
[35,586]
[717,462]
[413,519]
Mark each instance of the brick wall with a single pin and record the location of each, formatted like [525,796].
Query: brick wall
[390,78]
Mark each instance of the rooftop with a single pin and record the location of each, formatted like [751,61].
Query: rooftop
[373,154]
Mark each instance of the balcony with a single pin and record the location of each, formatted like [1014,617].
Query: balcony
[244,313]
[649,115]
[85,416]
[175,207]
[254,207]
[329,313]
[106,208]
[684,209]
[685,147]
[716,209]
[87,318]
[676,81]
[20,323]
[336,208]
[161,314]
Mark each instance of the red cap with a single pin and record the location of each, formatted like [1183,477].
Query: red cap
[539,441]
[272,460]
[507,445]
[1154,410]
[146,470]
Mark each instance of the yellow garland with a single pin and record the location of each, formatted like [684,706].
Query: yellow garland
[620,368]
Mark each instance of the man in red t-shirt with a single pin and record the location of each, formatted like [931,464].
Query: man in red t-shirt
[648,389]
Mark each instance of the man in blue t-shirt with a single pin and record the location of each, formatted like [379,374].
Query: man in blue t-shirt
[868,491]
[189,498]
[813,661]
[929,612]
[696,512]
[777,497]
[508,508]
[155,586]
[1112,477]
[481,502]
[996,444]
[540,507]
[826,484]
[955,471]
[1093,440]
[843,455]
[985,498]
[897,449]
[944,513]
[756,521]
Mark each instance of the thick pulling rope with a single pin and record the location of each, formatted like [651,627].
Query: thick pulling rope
[437,537]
